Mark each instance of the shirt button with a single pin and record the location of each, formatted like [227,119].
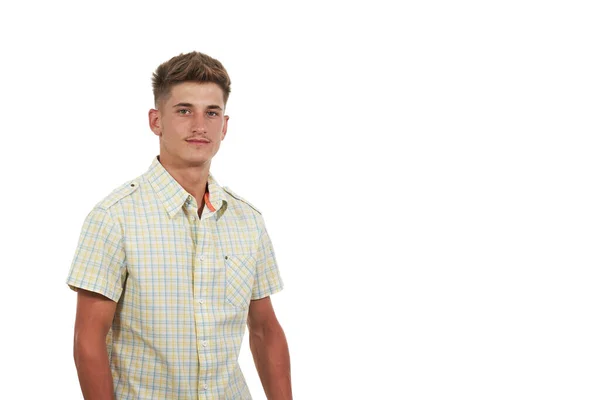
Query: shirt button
[204,343]
[201,301]
[205,386]
[202,258]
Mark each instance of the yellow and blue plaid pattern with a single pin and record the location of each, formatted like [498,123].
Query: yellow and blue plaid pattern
[183,285]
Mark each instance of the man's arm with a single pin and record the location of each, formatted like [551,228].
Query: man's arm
[270,350]
[93,321]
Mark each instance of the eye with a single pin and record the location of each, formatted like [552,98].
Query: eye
[213,114]
[184,111]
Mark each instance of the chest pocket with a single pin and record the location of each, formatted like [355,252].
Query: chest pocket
[239,271]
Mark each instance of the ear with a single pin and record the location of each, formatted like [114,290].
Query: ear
[154,121]
[224,131]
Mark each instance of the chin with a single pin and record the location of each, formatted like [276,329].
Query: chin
[195,161]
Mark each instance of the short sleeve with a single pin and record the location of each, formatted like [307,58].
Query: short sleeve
[99,262]
[267,279]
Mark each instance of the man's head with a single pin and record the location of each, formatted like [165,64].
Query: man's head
[190,93]
[190,67]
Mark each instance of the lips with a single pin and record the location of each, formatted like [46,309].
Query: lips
[198,140]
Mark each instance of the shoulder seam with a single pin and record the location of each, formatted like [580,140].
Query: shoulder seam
[119,193]
[238,197]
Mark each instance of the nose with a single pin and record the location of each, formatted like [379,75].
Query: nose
[199,124]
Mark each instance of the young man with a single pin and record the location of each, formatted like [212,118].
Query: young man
[170,267]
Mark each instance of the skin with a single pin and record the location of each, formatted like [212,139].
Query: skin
[92,322]
[270,350]
[191,111]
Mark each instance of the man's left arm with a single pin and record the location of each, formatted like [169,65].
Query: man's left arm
[270,350]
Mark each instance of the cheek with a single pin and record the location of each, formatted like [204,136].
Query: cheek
[174,128]
[218,127]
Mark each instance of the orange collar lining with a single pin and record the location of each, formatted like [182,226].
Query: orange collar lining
[207,201]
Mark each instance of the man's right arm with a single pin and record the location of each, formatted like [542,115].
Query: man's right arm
[94,318]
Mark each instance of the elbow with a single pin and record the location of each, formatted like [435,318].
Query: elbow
[256,336]
[81,348]
[266,332]
[87,347]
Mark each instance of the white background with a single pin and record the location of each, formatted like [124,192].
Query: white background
[428,173]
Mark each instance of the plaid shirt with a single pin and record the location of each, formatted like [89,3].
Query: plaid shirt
[183,285]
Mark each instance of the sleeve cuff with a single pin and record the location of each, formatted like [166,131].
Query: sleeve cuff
[113,295]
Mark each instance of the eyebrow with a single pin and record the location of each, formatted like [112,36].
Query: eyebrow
[183,105]
[210,107]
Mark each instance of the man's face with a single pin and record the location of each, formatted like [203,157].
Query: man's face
[190,123]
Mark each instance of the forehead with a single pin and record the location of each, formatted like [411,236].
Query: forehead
[197,93]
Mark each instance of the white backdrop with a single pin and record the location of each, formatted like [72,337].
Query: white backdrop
[428,173]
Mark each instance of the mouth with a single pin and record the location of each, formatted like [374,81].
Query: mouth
[198,141]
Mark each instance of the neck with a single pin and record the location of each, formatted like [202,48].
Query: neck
[192,178]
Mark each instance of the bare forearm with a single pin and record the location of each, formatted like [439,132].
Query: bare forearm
[93,369]
[272,359]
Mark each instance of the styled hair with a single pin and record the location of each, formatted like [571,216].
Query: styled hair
[189,67]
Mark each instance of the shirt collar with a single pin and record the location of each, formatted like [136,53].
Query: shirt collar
[174,196]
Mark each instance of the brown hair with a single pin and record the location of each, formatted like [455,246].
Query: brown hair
[190,67]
